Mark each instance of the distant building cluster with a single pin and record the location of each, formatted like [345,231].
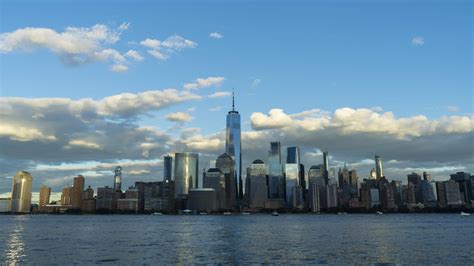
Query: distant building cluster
[279,184]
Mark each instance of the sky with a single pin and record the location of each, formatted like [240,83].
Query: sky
[89,85]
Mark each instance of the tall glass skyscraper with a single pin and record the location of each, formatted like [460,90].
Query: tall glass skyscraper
[168,165]
[378,167]
[275,172]
[185,173]
[233,145]
[118,178]
[292,176]
[21,192]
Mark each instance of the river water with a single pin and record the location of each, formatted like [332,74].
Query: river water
[256,238]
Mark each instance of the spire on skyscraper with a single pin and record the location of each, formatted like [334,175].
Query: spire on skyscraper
[233,101]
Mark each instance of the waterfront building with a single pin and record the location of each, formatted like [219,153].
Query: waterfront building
[130,202]
[314,203]
[275,172]
[465,186]
[214,178]
[77,191]
[316,176]
[106,200]
[66,196]
[387,195]
[409,194]
[428,191]
[233,145]
[118,178]
[185,173]
[415,179]
[374,196]
[21,192]
[378,167]
[226,165]
[291,181]
[453,195]
[88,200]
[441,192]
[258,191]
[202,199]
[331,196]
[44,196]
[5,205]
[167,167]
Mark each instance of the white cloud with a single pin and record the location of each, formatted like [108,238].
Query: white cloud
[84,144]
[162,50]
[418,41]
[134,55]
[179,117]
[220,94]
[204,83]
[119,68]
[74,46]
[453,109]
[348,121]
[23,132]
[255,82]
[216,35]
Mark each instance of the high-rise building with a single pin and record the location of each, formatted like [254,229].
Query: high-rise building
[106,200]
[226,165]
[214,178]
[233,145]
[331,196]
[167,167]
[88,200]
[372,174]
[293,155]
[257,178]
[118,178]
[428,191]
[453,195]
[130,202]
[275,172]
[21,192]
[415,179]
[316,176]
[66,196]
[185,173]
[44,196]
[326,166]
[465,186]
[77,191]
[378,167]
[314,203]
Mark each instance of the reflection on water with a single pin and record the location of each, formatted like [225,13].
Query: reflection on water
[244,239]
[15,246]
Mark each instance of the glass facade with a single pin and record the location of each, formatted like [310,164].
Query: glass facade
[226,164]
[185,173]
[291,182]
[378,167]
[293,155]
[21,192]
[233,146]
[118,178]
[167,166]
[275,172]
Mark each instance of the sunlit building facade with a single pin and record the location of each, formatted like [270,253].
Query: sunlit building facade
[185,173]
[21,192]
[118,178]
[275,172]
[44,196]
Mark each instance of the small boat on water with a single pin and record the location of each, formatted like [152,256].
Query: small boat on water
[342,213]
[465,214]
[245,213]
[157,213]
[275,213]
[379,213]
[227,213]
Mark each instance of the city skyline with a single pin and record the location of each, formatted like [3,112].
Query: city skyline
[96,95]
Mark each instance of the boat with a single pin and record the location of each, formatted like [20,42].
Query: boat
[245,213]
[227,213]
[275,213]
[203,213]
[465,214]
[342,213]
[379,213]
[157,213]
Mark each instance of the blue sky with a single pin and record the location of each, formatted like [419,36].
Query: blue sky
[410,57]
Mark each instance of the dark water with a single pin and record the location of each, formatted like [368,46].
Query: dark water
[300,239]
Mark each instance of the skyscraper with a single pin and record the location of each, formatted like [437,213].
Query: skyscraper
[292,176]
[77,191]
[378,167]
[326,166]
[44,196]
[293,155]
[233,145]
[21,192]
[118,178]
[275,171]
[168,166]
[257,193]
[185,173]
[226,165]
